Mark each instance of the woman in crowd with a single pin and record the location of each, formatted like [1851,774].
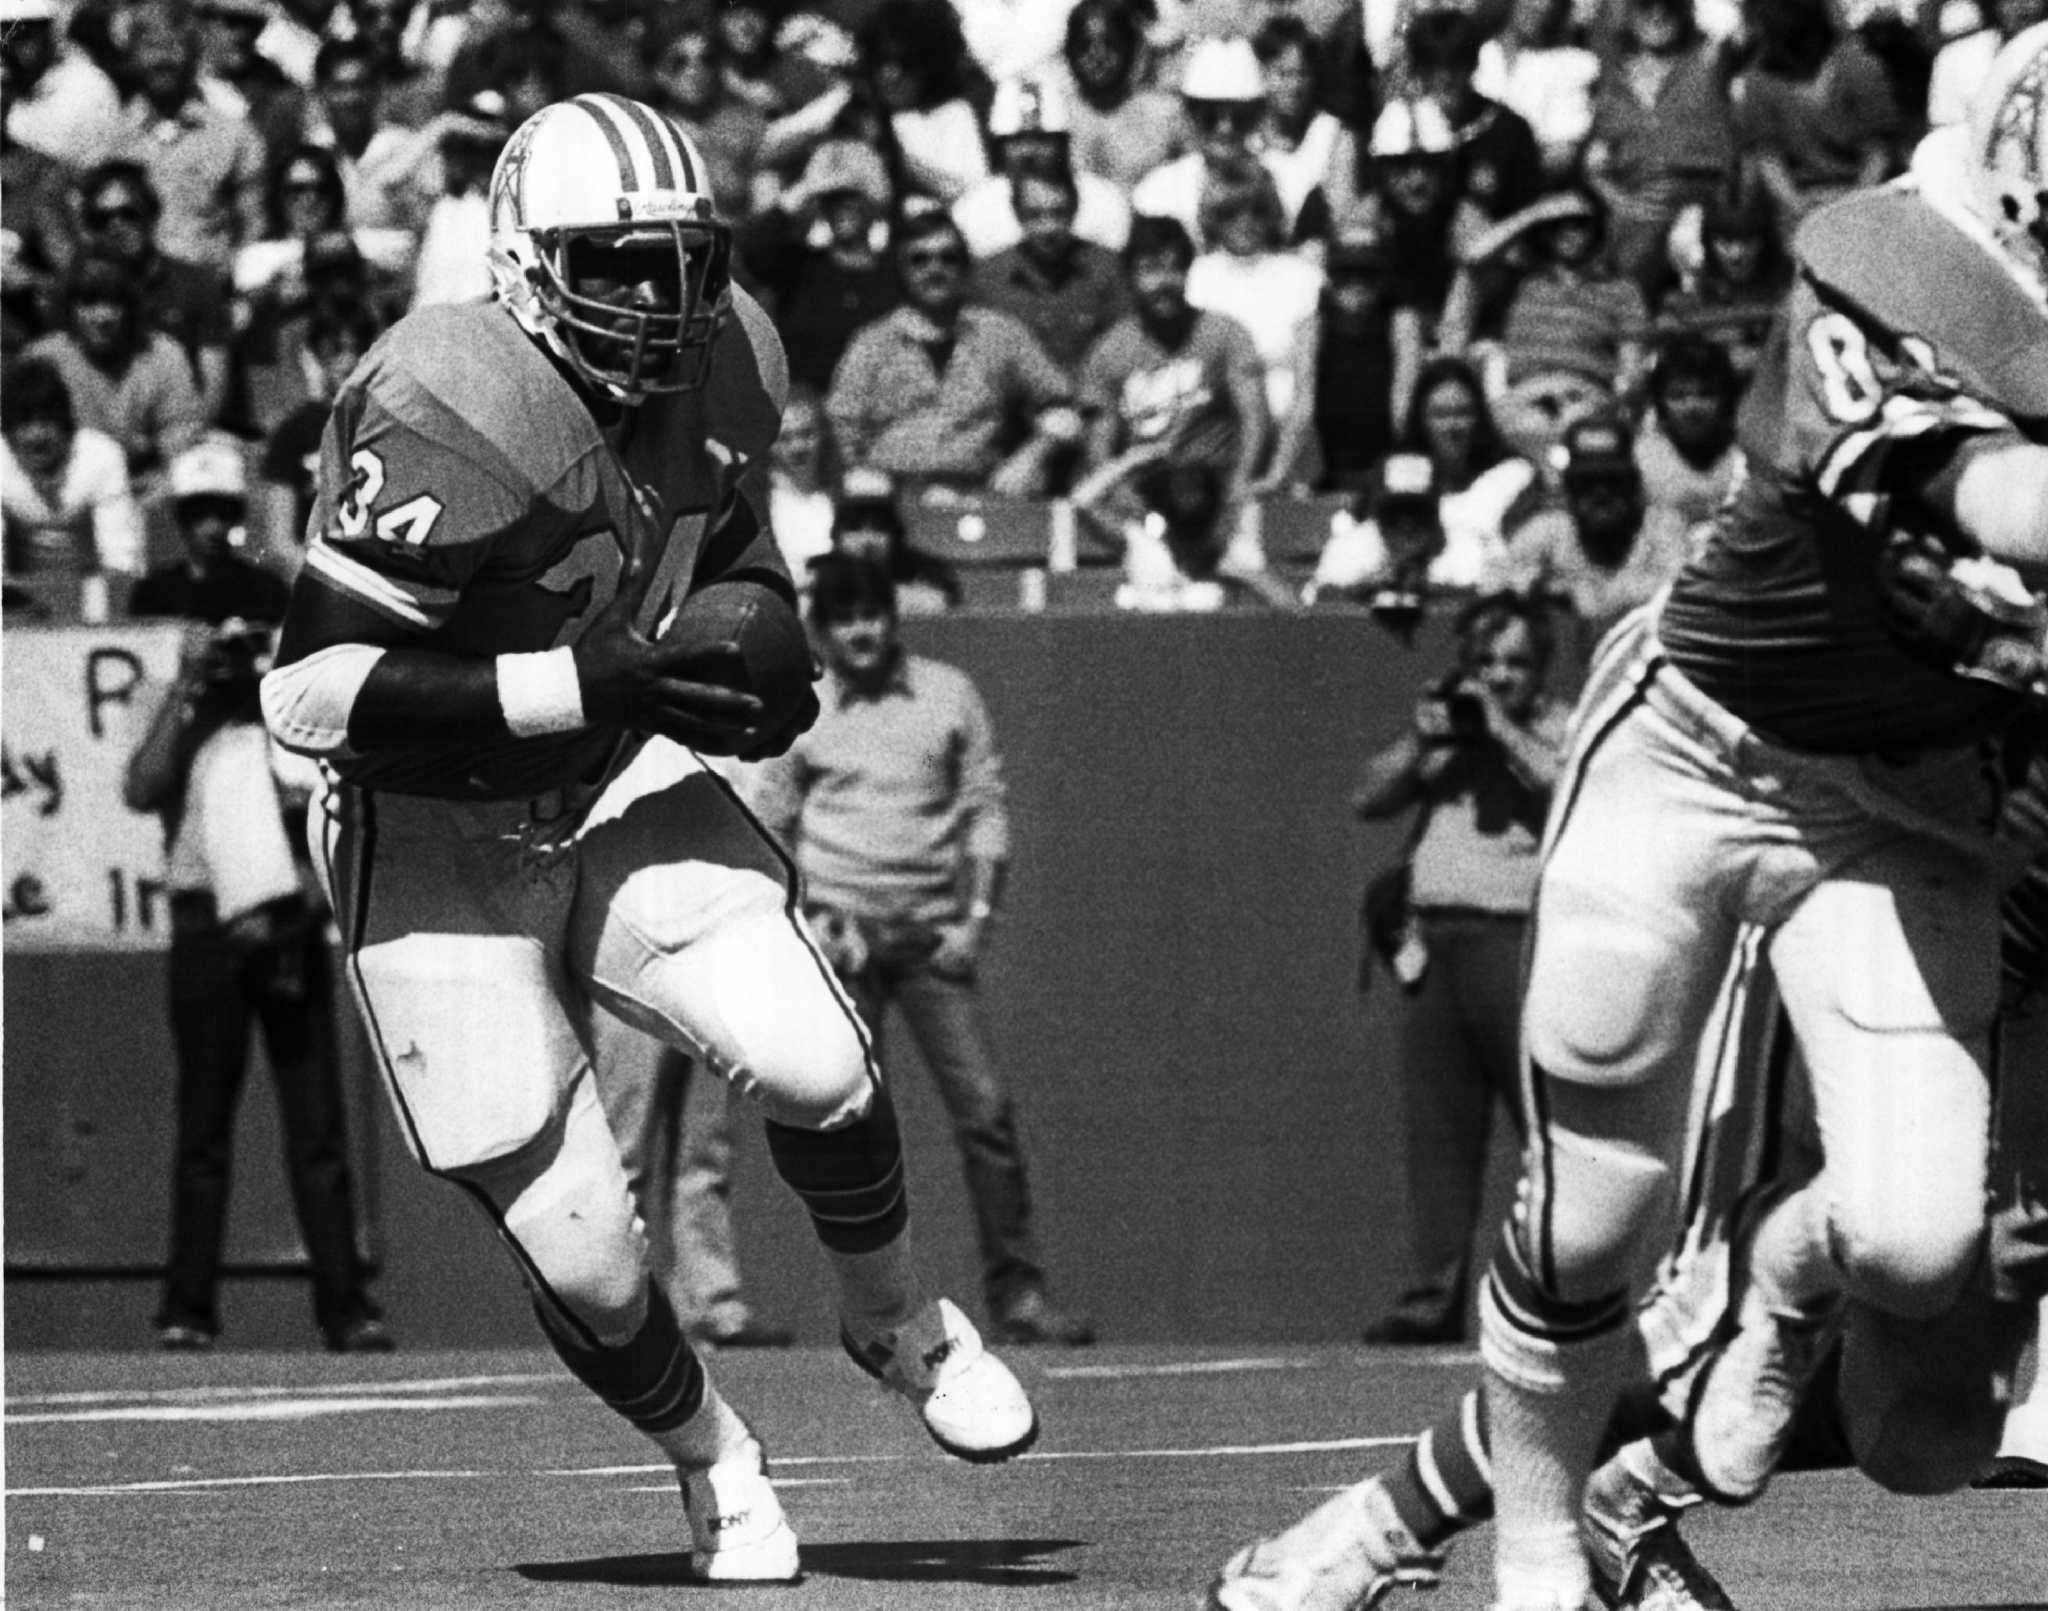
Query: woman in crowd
[1537,67]
[1123,127]
[1249,275]
[916,68]
[1298,138]
[685,56]
[65,499]
[1479,480]
[1733,272]
[1686,449]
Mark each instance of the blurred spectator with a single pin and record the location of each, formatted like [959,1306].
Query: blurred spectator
[868,528]
[1686,450]
[338,333]
[1733,272]
[1223,90]
[800,505]
[247,942]
[1011,39]
[1178,528]
[1065,290]
[1476,767]
[1538,70]
[126,380]
[1351,361]
[206,162]
[1248,274]
[1383,549]
[819,257]
[1662,131]
[118,212]
[766,62]
[943,394]
[388,172]
[294,34]
[1573,333]
[37,239]
[272,102]
[65,500]
[57,101]
[1815,110]
[1499,164]
[904,863]
[413,89]
[1605,551]
[1403,181]
[915,67]
[505,42]
[1124,127]
[609,34]
[685,55]
[1171,379]
[1298,139]
[1028,130]
[453,263]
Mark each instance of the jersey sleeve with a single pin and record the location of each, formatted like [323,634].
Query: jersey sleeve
[1854,397]
[403,516]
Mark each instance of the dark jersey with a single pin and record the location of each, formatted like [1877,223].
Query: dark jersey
[1902,336]
[467,495]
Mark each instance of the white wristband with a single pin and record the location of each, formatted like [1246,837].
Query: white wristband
[540,693]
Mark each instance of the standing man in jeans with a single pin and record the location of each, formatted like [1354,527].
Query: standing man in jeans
[893,805]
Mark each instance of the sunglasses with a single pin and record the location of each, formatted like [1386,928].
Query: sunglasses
[946,257]
[1218,118]
[104,217]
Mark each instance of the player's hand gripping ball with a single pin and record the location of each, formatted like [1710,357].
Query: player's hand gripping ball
[745,635]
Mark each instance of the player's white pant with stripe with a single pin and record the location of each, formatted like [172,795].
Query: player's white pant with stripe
[476,937]
[1676,828]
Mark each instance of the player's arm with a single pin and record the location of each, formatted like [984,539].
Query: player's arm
[1993,491]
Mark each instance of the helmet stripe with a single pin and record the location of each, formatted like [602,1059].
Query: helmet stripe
[660,140]
[622,152]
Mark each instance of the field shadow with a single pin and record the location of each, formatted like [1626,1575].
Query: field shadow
[994,1562]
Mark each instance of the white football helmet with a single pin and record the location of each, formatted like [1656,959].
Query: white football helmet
[602,171]
[2008,129]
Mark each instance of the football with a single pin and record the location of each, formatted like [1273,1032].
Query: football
[753,630]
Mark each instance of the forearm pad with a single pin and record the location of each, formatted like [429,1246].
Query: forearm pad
[307,704]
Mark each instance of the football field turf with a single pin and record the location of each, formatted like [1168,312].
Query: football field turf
[459,1481]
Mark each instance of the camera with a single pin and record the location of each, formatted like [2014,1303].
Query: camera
[236,653]
[1464,715]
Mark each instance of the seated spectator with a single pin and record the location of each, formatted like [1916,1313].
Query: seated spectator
[1662,135]
[1499,163]
[868,527]
[118,212]
[338,333]
[499,41]
[1298,139]
[1249,275]
[818,257]
[1480,481]
[454,253]
[1383,551]
[37,237]
[1027,129]
[1178,530]
[1351,361]
[1538,69]
[1815,111]
[685,56]
[1573,332]
[941,394]
[800,504]
[126,380]
[204,160]
[1065,290]
[389,172]
[66,505]
[1733,272]
[1123,126]
[915,66]
[1171,379]
[1223,90]
[273,103]
[775,55]
[58,101]
[414,86]
[1604,552]
[1686,450]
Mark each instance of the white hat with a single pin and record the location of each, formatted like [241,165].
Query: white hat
[1223,70]
[28,10]
[1028,106]
[1412,129]
[211,467]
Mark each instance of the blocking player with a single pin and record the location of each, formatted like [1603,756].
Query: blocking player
[514,497]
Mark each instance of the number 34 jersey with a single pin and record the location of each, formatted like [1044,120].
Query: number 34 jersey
[467,495]
[1902,335]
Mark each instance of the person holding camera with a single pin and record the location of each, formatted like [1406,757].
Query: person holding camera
[246,942]
[1476,767]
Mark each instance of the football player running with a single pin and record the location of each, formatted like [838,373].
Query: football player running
[1763,749]
[515,498]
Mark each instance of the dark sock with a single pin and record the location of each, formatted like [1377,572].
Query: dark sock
[849,1179]
[1447,1463]
[653,1379]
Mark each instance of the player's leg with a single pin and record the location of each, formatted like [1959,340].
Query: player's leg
[686,924]
[1889,976]
[452,923]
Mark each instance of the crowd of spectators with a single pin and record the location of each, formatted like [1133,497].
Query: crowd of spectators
[1164,259]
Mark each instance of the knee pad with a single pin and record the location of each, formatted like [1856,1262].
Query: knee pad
[1913,1264]
[1595,1192]
[572,1225]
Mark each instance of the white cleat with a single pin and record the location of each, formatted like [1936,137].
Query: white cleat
[738,1533]
[1640,1562]
[1748,1393]
[1347,1554]
[971,1404]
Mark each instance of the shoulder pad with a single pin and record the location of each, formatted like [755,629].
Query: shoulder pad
[749,382]
[1909,272]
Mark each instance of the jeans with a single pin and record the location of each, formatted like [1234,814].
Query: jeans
[218,987]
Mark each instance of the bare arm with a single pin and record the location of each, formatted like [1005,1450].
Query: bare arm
[1994,491]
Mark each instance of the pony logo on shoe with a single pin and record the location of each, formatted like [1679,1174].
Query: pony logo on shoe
[971,1404]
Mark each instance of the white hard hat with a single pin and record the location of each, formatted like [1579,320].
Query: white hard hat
[1416,128]
[1223,70]
[1028,106]
[212,467]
